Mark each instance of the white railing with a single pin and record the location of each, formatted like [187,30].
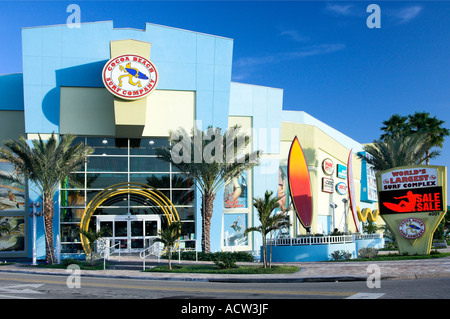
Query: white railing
[368,236]
[107,252]
[156,250]
[320,240]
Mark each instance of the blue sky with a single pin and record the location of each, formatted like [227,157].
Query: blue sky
[329,63]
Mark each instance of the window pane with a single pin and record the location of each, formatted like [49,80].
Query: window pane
[183,197]
[155,180]
[69,233]
[151,228]
[108,146]
[120,229]
[71,214]
[111,211]
[107,164]
[76,181]
[181,181]
[148,164]
[137,228]
[147,146]
[105,180]
[72,198]
[108,226]
[186,213]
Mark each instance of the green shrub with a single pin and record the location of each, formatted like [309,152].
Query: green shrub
[239,256]
[341,254]
[225,261]
[368,252]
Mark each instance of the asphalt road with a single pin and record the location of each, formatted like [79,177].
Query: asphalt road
[29,286]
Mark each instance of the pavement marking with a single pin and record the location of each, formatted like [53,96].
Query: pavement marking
[366,295]
[12,297]
[205,290]
[19,289]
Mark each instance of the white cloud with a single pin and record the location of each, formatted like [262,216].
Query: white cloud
[304,52]
[406,14]
[293,35]
[340,9]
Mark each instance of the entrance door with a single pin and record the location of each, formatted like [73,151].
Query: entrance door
[133,232]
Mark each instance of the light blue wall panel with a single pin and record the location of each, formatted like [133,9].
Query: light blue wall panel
[206,44]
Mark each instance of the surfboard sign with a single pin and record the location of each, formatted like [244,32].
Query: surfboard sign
[351,191]
[300,184]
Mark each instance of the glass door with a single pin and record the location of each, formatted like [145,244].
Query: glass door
[133,232]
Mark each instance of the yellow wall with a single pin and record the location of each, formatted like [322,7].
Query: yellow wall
[317,146]
[90,111]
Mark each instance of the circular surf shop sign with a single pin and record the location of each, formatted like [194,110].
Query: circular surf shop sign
[129,76]
[411,228]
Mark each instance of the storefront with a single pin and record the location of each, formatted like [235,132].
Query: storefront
[121,91]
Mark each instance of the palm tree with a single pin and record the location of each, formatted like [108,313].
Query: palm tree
[395,125]
[211,158]
[265,206]
[46,165]
[169,237]
[431,126]
[399,150]
[92,236]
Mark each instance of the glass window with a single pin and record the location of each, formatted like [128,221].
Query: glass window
[108,146]
[69,233]
[73,198]
[155,180]
[71,214]
[148,164]
[147,146]
[120,229]
[183,197]
[104,180]
[76,181]
[73,248]
[151,228]
[107,164]
[137,228]
[111,211]
[186,213]
[182,181]
[108,226]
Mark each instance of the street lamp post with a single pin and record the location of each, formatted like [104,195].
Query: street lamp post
[333,206]
[345,200]
[34,214]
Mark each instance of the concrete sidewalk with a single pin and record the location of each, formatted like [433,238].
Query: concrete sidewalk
[309,271]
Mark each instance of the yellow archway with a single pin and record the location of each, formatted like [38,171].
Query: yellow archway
[144,190]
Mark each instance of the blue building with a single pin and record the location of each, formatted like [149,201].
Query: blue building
[66,87]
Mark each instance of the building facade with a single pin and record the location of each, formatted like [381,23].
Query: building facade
[65,88]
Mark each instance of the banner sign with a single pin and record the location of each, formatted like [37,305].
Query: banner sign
[427,199]
[409,178]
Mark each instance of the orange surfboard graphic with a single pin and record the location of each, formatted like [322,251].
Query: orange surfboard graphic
[299,184]
[351,191]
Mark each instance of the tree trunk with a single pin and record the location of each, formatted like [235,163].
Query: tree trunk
[207,211]
[264,242]
[48,224]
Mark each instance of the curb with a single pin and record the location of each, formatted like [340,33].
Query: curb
[336,278]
